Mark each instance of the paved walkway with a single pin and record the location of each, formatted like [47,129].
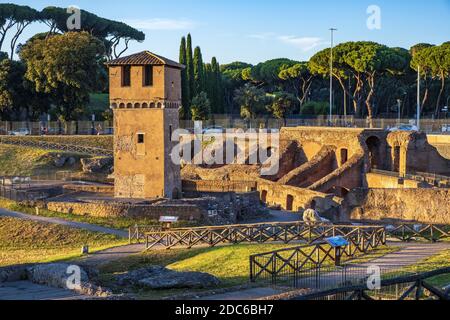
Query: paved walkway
[97,259]
[72,224]
[25,290]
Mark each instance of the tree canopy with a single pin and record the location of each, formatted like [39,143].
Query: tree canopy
[66,67]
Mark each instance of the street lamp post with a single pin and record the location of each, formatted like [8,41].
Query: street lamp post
[331,76]
[399,107]
[418,98]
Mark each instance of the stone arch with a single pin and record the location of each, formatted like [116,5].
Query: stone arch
[114,106]
[290,202]
[137,105]
[264,196]
[176,194]
[129,105]
[145,105]
[152,105]
[122,106]
[338,191]
[159,105]
[343,155]
[396,159]
[373,144]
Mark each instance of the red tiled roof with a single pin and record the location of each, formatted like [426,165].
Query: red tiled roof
[145,58]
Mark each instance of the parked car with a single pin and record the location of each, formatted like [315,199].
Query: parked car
[404,127]
[20,132]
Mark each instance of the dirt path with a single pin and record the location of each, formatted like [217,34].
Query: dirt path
[59,221]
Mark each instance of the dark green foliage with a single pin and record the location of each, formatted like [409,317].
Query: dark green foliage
[199,72]
[109,31]
[15,19]
[66,67]
[282,105]
[190,66]
[316,108]
[200,107]
[251,101]
[185,93]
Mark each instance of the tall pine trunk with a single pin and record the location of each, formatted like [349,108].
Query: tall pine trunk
[438,102]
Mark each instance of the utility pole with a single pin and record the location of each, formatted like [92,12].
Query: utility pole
[331,76]
[418,98]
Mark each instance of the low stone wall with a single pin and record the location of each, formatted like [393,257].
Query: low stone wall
[107,209]
[320,166]
[294,199]
[212,186]
[90,188]
[349,176]
[421,205]
[384,181]
[441,143]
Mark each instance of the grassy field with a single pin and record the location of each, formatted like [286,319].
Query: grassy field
[122,223]
[32,242]
[439,261]
[15,160]
[229,263]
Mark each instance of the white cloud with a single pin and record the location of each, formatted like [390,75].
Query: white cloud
[262,36]
[161,24]
[303,43]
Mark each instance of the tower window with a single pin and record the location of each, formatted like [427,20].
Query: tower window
[140,138]
[126,76]
[170,133]
[147,76]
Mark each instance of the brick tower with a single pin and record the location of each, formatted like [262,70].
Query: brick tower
[145,95]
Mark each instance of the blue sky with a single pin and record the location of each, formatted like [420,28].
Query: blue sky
[258,30]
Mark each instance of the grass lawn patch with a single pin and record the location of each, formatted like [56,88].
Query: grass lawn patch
[121,223]
[229,263]
[16,160]
[439,261]
[23,241]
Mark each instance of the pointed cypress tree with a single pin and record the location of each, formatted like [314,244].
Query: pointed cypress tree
[209,85]
[199,72]
[214,97]
[220,90]
[185,94]
[190,68]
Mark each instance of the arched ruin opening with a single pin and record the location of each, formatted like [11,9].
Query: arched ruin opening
[264,196]
[290,203]
[176,194]
[373,144]
[344,156]
[396,160]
